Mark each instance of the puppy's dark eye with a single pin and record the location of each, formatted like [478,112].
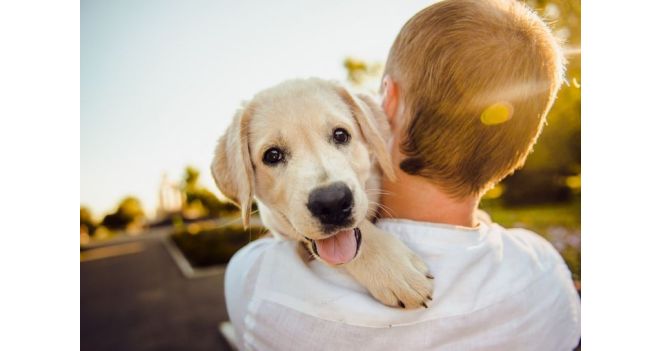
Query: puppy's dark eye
[273,156]
[341,136]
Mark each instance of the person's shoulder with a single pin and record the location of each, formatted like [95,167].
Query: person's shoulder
[522,243]
[528,259]
[531,253]
[549,297]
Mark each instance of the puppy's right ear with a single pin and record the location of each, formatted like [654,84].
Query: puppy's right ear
[232,168]
[367,114]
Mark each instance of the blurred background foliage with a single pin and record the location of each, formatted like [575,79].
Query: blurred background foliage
[208,245]
[199,204]
[128,216]
[129,212]
[200,201]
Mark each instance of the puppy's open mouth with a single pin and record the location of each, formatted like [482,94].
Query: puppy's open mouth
[340,248]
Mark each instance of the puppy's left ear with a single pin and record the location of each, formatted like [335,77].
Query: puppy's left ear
[231,167]
[373,124]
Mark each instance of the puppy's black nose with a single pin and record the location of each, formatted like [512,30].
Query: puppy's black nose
[332,204]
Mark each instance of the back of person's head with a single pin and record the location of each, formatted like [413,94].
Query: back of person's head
[477,78]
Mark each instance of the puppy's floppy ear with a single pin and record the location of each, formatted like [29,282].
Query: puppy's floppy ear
[368,115]
[232,168]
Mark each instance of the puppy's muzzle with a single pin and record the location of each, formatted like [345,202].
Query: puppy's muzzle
[332,206]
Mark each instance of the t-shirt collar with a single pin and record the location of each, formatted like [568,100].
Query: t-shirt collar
[438,233]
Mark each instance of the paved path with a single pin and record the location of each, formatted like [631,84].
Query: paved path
[141,301]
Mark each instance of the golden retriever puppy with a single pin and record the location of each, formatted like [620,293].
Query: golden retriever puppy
[311,154]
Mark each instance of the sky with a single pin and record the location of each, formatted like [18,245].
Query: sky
[160,80]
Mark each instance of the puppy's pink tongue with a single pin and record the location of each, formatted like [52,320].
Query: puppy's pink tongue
[339,248]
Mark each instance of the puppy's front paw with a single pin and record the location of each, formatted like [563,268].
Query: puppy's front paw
[391,272]
[403,281]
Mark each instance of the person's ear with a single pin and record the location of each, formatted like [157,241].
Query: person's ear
[391,100]
[232,168]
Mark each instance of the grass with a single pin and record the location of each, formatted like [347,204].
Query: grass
[560,224]
[537,218]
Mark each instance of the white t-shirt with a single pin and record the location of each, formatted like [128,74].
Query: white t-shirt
[495,289]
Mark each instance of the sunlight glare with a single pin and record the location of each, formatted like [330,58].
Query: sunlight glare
[497,113]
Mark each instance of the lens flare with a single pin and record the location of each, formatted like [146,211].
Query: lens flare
[573,182]
[575,82]
[497,113]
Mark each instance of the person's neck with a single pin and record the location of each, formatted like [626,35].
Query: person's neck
[414,198]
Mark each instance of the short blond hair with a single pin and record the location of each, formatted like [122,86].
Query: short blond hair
[477,78]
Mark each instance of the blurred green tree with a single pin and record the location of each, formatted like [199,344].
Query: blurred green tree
[87,222]
[362,73]
[200,202]
[128,213]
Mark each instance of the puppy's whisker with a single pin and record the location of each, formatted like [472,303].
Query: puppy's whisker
[375,189]
[388,213]
[388,210]
[379,191]
[385,208]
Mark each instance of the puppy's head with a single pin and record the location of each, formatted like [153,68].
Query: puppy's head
[304,149]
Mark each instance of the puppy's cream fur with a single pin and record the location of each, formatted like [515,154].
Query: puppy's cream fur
[299,116]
